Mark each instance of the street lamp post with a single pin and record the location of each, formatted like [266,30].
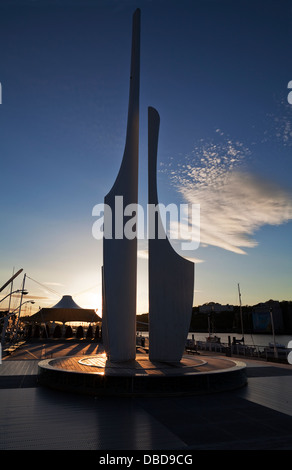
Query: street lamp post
[23,292]
[26,302]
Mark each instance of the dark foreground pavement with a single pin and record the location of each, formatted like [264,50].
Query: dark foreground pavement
[256,417]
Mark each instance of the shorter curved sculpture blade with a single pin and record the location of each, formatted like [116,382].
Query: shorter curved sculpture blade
[171,277]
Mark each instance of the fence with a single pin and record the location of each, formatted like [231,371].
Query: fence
[252,351]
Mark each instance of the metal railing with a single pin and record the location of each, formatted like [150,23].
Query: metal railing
[250,351]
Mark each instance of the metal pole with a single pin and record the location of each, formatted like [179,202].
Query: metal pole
[11,288]
[8,282]
[273,330]
[16,331]
[14,292]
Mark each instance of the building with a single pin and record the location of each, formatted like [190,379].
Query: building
[213,307]
[262,319]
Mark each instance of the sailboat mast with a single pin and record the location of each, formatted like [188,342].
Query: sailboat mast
[240,309]
[11,289]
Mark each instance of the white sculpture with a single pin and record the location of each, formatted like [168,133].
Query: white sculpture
[171,277]
[120,255]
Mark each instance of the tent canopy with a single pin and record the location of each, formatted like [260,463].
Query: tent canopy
[65,311]
[66,302]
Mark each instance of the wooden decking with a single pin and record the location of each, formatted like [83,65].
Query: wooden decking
[95,375]
[141,366]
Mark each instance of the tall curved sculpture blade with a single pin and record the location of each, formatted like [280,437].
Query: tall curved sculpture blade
[120,253]
[171,277]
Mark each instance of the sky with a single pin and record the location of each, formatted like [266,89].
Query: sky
[216,71]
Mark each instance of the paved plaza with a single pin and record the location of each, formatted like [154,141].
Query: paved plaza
[257,416]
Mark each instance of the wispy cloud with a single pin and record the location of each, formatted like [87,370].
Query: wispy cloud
[53,283]
[35,297]
[234,202]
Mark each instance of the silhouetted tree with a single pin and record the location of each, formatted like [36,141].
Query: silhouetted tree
[96,335]
[37,332]
[89,333]
[68,332]
[79,332]
[57,332]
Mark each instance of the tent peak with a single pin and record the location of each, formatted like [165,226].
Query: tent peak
[66,302]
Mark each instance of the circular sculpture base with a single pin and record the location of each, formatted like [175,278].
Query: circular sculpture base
[96,376]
